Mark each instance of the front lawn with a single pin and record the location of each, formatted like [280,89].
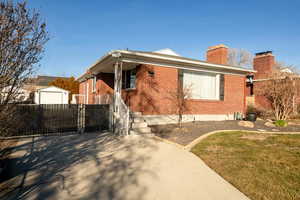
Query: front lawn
[262,166]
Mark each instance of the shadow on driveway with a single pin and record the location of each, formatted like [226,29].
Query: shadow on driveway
[89,166]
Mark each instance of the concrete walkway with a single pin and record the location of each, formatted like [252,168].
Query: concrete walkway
[92,166]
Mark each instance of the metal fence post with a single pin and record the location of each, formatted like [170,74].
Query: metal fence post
[111,122]
[81,118]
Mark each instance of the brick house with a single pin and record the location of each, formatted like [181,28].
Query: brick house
[146,78]
[264,65]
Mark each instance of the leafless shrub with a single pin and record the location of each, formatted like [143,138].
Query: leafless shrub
[281,67]
[280,89]
[179,98]
[22,39]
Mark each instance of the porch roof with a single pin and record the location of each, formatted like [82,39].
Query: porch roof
[131,59]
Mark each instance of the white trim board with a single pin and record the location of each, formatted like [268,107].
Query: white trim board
[173,119]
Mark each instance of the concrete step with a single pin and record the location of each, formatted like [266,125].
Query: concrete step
[138,119]
[136,114]
[139,125]
[142,130]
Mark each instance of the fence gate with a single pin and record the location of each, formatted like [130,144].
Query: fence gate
[96,118]
[47,119]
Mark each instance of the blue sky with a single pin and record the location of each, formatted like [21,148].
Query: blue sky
[82,31]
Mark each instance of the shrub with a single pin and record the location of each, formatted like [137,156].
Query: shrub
[295,116]
[281,123]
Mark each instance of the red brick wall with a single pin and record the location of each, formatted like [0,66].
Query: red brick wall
[261,102]
[104,85]
[217,54]
[81,92]
[263,64]
[151,95]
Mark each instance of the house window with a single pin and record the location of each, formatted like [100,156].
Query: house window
[203,85]
[94,83]
[129,79]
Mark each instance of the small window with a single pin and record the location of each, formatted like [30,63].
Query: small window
[94,83]
[129,79]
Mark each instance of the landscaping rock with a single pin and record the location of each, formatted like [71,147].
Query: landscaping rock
[269,124]
[294,123]
[247,124]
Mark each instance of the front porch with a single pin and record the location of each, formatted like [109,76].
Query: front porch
[122,75]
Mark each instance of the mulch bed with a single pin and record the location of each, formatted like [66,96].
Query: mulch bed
[6,146]
[191,131]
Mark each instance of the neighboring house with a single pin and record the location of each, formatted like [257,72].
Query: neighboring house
[51,95]
[42,93]
[37,90]
[144,80]
[264,65]
[20,96]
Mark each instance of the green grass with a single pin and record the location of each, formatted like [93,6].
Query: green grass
[262,166]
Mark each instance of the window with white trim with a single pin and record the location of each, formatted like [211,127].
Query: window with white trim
[203,85]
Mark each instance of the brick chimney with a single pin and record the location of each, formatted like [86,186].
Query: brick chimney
[263,63]
[217,54]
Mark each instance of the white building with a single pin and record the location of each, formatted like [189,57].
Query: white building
[51,95]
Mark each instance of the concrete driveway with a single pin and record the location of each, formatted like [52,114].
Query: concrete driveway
[92,166]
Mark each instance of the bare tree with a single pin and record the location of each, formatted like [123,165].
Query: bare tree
[179,98]
[281,89]
[240,57]
[281,67]
[22,40]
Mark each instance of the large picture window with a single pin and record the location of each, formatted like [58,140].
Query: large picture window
[129,79]
[203,85]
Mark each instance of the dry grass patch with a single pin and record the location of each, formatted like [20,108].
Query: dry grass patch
[261,165]
[259,137]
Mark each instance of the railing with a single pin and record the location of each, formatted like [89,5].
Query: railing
[103,99]
[121,117]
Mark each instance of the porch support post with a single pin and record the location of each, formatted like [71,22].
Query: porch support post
[117,82]
[117,94]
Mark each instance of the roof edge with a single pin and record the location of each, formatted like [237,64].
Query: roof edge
[173,58]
